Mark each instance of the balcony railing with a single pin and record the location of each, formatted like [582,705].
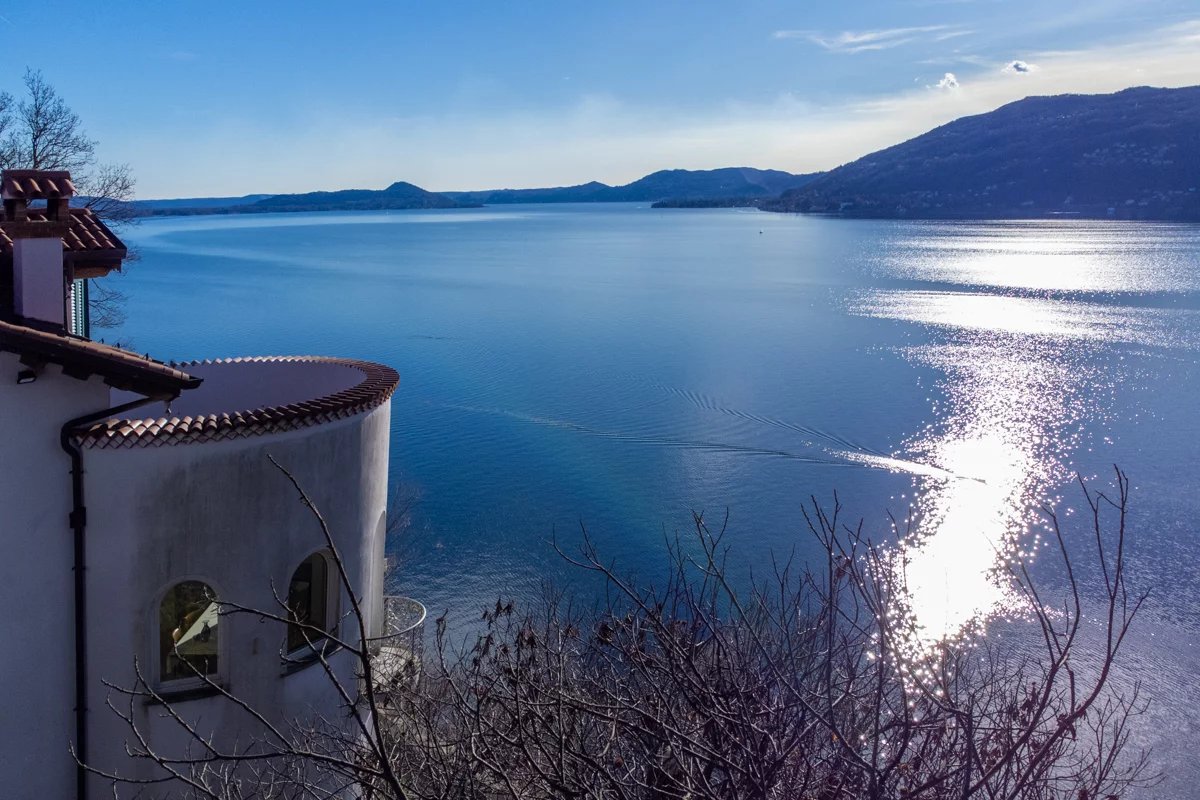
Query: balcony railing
[398,649]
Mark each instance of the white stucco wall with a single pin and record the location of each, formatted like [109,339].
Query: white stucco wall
[38,288]
[37,667]
[218,512]
[222,513]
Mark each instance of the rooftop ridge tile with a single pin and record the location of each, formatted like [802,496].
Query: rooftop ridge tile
[378,384]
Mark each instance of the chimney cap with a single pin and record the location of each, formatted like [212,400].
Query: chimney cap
[36,184]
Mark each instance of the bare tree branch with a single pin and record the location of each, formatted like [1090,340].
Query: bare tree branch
[42,132]
[803,684]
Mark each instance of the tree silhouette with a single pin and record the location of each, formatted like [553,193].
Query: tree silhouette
[40,131]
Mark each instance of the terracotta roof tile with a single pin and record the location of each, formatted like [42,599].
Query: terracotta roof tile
[35,184]
[83,358]
[86,234]
[376,387]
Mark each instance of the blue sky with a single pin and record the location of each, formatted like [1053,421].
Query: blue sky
[220,98]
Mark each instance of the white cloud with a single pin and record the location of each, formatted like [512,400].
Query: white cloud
[959,58]
[948,81]
[1019,67]
[881,39]
[953,34]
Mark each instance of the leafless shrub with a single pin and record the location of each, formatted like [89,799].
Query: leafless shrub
[805,685]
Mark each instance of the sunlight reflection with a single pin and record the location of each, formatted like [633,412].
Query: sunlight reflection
[1032,316]
[1074,256]
[1014,368]
[1017,370]
[970,523]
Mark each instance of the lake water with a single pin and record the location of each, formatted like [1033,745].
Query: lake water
[619,367]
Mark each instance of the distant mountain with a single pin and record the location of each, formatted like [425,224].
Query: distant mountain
[740,182]
[399,195]
[711,183]
[199,202]
[713,202]
[1134,154]
[583,193]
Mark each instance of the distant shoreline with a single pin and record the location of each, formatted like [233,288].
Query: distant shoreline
[758,204]
[1130,155]
[251,209]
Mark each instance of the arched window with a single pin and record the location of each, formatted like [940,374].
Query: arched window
[188,631]
[308,603]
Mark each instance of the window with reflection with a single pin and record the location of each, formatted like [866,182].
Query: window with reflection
[188,632]
[308,603]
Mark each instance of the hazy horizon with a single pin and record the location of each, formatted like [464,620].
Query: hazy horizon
[224,100]
[580,183]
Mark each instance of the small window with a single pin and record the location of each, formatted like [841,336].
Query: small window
[188,631]
[308,603]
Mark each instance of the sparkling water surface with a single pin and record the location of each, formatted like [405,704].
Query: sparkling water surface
[617,367]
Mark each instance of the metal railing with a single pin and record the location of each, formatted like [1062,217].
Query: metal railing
[398,649]
[403,624]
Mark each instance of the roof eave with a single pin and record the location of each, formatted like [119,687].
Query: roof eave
[82,359]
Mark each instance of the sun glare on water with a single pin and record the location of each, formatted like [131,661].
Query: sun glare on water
[968,525]
[1016,371]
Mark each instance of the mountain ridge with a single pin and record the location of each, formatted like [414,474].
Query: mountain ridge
[715,184]
[1133,154]
[721,183]
[399,195]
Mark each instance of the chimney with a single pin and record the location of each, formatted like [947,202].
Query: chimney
[39,277]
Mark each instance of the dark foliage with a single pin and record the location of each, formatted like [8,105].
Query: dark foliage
[712,202]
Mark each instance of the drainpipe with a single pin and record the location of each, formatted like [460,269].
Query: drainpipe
[78,521]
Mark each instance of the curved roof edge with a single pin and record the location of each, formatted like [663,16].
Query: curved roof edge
[376,387]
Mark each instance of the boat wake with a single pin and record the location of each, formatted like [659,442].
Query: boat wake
[846,456]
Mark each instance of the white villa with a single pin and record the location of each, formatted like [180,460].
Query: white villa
[135,494]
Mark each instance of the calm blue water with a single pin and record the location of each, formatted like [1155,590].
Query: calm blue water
[619,367]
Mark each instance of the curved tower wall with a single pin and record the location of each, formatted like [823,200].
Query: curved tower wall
[221,512]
